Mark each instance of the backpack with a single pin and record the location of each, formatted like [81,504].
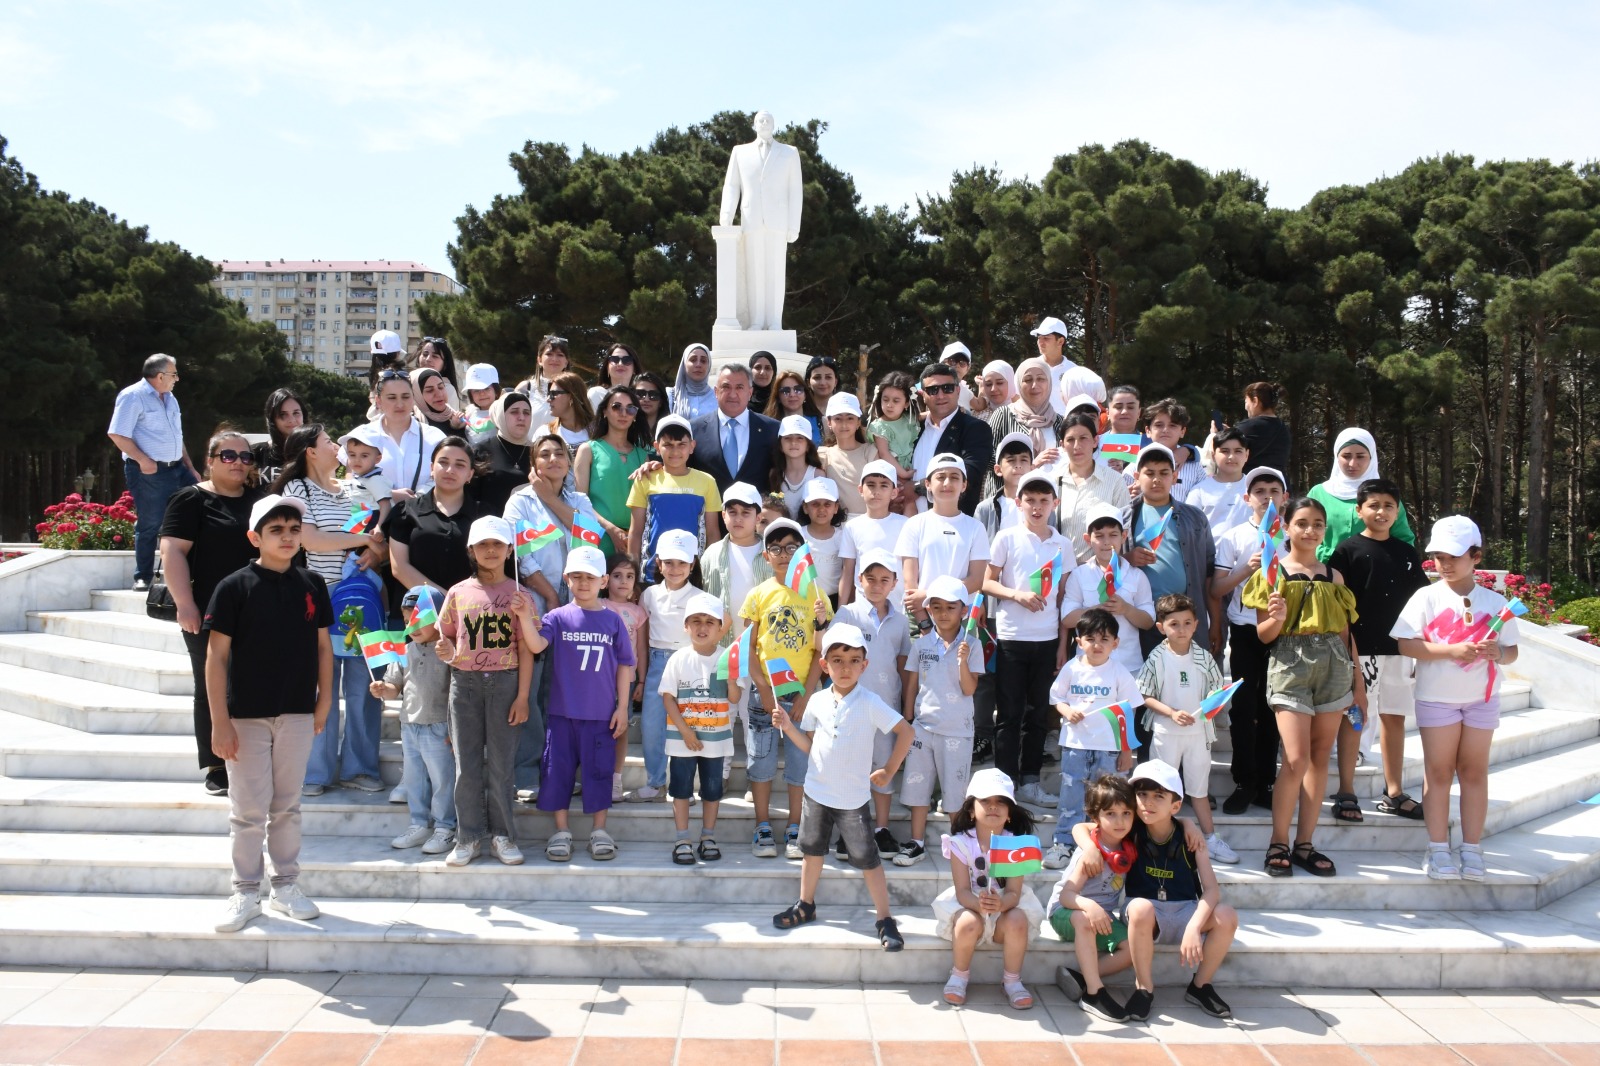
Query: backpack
[361,591]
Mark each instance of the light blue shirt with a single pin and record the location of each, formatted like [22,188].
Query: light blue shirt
[1166,574]
[151,419]
[550,560]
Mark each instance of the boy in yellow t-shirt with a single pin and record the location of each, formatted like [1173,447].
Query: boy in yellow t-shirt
[672,497]
[785,634]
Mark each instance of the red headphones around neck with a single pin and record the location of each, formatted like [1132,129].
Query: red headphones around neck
[1121,860]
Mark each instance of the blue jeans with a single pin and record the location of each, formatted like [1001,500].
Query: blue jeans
[530,743]
[762,741]
[653,721]
[363,724]
[1079,766]
[150,493]
[430,774]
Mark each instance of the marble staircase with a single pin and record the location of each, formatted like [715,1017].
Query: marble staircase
[111,853]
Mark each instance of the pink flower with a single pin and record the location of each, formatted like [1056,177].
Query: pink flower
[117,539]
[74,498]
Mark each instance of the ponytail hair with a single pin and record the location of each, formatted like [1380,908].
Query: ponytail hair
[1266,393]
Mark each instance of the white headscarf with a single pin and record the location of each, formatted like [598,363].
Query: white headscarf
[691,398]
[1003,368]
[1344,488]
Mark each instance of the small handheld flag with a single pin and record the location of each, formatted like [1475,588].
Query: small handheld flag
[734,662]
[1212,705]
[1118,715]
[975,613]
[479,422]
[586,529]
[802,573]
[1042,581]
[1123,447]
[785,682]
[530,540]
[1514,609]
[1271,566]
[382,647]
[1111,581]
[1153,535]
[1272,521]
[1015,856]
[361,517]
[424,614]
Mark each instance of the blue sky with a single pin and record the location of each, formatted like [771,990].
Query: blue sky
[337,130]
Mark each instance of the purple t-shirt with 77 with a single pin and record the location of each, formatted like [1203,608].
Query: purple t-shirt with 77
[586,648]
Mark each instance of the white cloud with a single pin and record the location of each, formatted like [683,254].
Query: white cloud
[189,113]
[27,65]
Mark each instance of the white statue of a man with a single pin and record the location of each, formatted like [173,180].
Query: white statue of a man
[763,184]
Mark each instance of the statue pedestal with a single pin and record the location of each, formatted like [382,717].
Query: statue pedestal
[730,341]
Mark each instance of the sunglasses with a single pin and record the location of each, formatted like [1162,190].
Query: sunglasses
[394,375]
[792,390]
[229,456]
[556,392]
[946,389]
[553,339]
[1466,606]
[981,864]
[625,408]
[619,358]
[648,394]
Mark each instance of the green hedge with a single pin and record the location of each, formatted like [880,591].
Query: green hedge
[1584,612]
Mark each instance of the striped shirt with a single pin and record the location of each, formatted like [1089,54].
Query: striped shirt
[151,419]
[328,511]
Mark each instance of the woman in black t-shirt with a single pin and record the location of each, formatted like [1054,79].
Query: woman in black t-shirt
[203,540]
[506,452]
[284,414]
[1264,432]
[428,535]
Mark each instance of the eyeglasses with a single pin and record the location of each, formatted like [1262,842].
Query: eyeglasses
[625,408]
[648,394]
[623,357]
[173,374]
[792,390]
[785,551]
[947,389]
[229,456]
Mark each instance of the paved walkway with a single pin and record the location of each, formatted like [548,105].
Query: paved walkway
[130,1018]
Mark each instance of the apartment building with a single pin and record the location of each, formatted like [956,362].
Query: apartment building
[328,309]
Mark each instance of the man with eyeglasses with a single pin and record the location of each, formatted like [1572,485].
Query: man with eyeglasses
[734,443]
[950,429]
[147,425]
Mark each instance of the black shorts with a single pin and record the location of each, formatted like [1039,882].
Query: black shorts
[817,823]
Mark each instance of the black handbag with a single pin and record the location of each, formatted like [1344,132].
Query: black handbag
[158,602]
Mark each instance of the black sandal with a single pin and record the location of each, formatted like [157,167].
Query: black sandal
[889,934]
[796,916]
[1347,809]
[1312,861]
[709,852]
[683,853]
[1278,861]
[1400,804]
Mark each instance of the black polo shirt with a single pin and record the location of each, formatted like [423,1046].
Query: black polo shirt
[273,619]
[437,542]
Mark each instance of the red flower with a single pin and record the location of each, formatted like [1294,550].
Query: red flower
[66,527]
[74,498]
[1544,588]
[43,527]
[117,539]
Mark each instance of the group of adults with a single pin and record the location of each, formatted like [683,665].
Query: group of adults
[447,466]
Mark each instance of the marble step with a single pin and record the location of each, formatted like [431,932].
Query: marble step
[112,664]
[92,706]
[111,627]
[1525,867]
[122,601]
[1459,949]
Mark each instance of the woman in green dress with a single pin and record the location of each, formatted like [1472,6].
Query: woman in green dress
[618,446]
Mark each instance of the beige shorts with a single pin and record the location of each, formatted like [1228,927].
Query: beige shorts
[1187,750]
[933,758]
[1310,673]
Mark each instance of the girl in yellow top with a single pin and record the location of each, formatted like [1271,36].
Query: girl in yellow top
[1304,619]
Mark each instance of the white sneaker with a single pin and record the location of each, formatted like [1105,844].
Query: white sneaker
[240,910]
[1220,851]
[505,849]
[1057,857]
[412,837]
[647,794]
[291,901]
[1034,793]
[397,794]
[463,853]
[440,842]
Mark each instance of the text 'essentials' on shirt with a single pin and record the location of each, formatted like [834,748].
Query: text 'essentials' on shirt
[587,648]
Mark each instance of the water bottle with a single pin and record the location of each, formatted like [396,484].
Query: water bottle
[1357,720]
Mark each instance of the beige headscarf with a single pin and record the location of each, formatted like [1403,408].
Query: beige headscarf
[1033,420]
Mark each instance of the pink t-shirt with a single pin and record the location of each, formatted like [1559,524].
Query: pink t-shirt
[478,621]
[634,615]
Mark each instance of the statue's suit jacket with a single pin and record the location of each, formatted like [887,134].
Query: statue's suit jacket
[772,188]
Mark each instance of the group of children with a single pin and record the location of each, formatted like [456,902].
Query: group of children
[871,673]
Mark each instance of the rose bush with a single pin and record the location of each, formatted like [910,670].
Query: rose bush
[77,524]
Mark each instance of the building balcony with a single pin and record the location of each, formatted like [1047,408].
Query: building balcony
[363,294]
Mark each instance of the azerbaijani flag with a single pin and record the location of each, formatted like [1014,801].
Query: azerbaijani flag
[785,682]
[974,613]
[424,614]
[1514,609]
[1119,717]
[1212,705]
[360,516]
[1269,559]
[1272,521]
[530,540]
[1111,579]
[586,529]
[1015,856]
[734,662]
[382,647]
[1123,447]
[479,422]
[1153,535]
[802,573]
[1042,581]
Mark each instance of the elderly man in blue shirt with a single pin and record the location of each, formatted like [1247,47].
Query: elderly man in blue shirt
[148,426]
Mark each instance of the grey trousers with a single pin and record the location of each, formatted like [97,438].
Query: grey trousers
[264,794]
[486,752]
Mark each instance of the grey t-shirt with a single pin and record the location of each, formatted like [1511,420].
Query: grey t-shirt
[886,643]
[942,708]
[1105,888]
[424,684]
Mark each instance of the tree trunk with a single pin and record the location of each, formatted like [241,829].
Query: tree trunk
[1497,450]
[1519,530]
[1447,460]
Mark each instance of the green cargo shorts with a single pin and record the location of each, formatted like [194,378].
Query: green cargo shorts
[1061,922]
[1310,673]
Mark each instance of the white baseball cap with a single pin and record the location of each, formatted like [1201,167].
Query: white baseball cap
[1037,479]
[1155,451]
[1082,399]
[585,559]
[1012,438]
[843,403]
[795,426]
[779,525]
[703,603]
[820,488]
[876,557]
[1160,773]
[947,461]
[677,544]
[267,504]
[742,492]
[1049,326]
[490,527]
[1101,512]
[843,633]
[674,420]
[955,348]
[1454,534]
[480,376]
[949,589]
[368,433]
[1260,472]
[386,342]
[989,782]
[881,467]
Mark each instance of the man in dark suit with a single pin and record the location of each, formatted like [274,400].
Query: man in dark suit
[734,443]
[950,429]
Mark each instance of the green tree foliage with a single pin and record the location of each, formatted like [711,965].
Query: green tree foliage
[338,401]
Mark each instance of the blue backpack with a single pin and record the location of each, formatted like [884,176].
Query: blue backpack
[363,591]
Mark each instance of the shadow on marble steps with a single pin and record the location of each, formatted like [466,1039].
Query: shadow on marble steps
[1356,949]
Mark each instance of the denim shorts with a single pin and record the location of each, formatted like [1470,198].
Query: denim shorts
[762,741]
[680,776]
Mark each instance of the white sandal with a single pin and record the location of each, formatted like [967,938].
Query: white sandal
[955,989]
[1472,867]
[601,846]
[559,847]
[1020,997]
